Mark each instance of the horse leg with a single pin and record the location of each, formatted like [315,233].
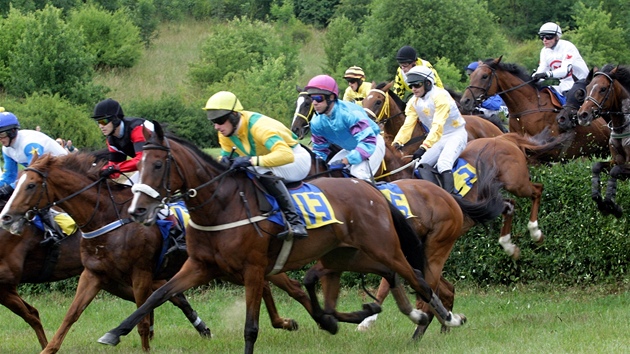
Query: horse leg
[534,232]
[10,298]
[617,172]
[89,285]
[505,240]
[182,303]
[254,281]
[446,293]
[294,289]
[381,294]
[326,322]
[596,194]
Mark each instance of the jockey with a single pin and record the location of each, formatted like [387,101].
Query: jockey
[357,87]
[264,145]
[434,108]
[18,147]
[559,59]
[491,106]
[346,125]
[125,137]
[407,58]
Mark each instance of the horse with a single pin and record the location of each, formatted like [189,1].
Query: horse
[507,151]
[26,259]
[230,237]
[383,105]
[567,117]
[123,261]
[531,110]
[606,93]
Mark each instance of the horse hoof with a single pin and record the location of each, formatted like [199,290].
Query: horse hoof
[109,339]
[372,308]
[290,325]
[329,324]
[367,323]
[517,254]
[419,317]
[204,332]
[541,240]
[456,320]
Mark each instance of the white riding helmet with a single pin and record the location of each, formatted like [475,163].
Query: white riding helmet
[419,73]
[550,28]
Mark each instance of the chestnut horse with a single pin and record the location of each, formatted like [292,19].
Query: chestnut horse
[531,110]
[606,93]
[25,259]
[238,241]
[122,261]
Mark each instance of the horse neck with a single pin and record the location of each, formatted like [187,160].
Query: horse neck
[519,99]
[615,116]
[92,208]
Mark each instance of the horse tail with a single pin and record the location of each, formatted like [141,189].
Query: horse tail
[538,146]
[489,203]
[410,243]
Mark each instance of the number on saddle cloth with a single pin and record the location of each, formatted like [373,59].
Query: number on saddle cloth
[464,175]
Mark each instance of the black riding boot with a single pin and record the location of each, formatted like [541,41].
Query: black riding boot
[496,120]
[279,191]
[447,182]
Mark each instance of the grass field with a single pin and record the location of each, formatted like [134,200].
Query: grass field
[501,320]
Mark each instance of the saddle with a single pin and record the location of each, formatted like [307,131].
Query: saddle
[557,99]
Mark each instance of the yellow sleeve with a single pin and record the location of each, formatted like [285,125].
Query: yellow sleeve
[442,111]
[411,119]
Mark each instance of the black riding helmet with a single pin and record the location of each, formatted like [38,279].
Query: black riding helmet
[406,54]
[109,109]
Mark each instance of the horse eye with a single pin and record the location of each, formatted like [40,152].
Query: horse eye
[31,186]
[580,94]
[157,165]
[484,76]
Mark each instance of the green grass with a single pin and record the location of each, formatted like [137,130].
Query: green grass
[518,320]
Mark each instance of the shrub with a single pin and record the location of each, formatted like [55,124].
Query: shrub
[50,56]
[111,38]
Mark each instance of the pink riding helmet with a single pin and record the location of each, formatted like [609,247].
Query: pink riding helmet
[322,84]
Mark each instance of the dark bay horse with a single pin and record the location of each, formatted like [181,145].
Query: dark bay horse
[606,93]
[122,261]
[242,245]
[24,259]
[506,151]
[531,110]
[386,108]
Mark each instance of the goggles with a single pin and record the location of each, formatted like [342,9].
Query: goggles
[352,81]
[221,120]
[547,36]
[416,85]
[318,98]
[103,121]
[4,134]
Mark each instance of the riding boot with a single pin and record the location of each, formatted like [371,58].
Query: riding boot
[496,120]
[425,172]
[278,190]
[53,232]
[176,236]
[447,182]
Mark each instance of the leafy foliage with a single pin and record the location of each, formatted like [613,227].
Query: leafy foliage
[315,12]
[112,38]
[50,56]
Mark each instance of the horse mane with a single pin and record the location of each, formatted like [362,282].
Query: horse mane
[514,69]
[399,102]
[622,74]
[205,157]
[84,163]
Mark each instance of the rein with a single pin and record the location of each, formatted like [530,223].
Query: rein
[615,132]
[384,113]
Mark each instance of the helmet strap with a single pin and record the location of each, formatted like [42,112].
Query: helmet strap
[235,120]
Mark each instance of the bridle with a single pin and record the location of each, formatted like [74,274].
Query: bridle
[616,132]
[307,117]
[383,109]
[484,93]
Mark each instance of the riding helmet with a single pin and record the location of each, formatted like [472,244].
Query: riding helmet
[406,54]
[109,109]
[550,28]
[322,84]
[221,104]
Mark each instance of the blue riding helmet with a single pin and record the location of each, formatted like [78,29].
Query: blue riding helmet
[9,123]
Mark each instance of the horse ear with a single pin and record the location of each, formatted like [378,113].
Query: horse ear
[35,157]
[575,78]
[298,88]
[159,132]
[498,59]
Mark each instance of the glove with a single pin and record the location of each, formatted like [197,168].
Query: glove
[6,191]
[418,154]
[397,146]
[539,76]
[241,162]
[225,160]
[336,165]
[110,172]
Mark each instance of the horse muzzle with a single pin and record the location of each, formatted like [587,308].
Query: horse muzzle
[12,224]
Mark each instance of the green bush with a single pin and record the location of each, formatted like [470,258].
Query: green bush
[240,45]
[186,121]
[58,117]
[11,29]
[50,56]
[111,38]
[581,245]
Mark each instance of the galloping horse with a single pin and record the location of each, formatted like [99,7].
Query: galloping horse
[506,151]
[383,106]
[531,110]
[123,261]
[24,259]
[606,92]
[239,241]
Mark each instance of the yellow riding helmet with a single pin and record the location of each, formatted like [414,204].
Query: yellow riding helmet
[354,72]
[221,104]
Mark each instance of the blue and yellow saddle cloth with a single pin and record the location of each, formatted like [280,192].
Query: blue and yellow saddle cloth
[395,195]
[464,176]
[311,204]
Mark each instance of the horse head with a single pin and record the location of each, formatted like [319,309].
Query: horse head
[567,117]
[376,103]
[483,84]
[30,194]
[303,113]
[598,91]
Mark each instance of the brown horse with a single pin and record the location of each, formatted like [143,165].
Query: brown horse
[383,106]
[606,92]
[242,245]
[507,151]
[25,259]
[531,110]
[122,261]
